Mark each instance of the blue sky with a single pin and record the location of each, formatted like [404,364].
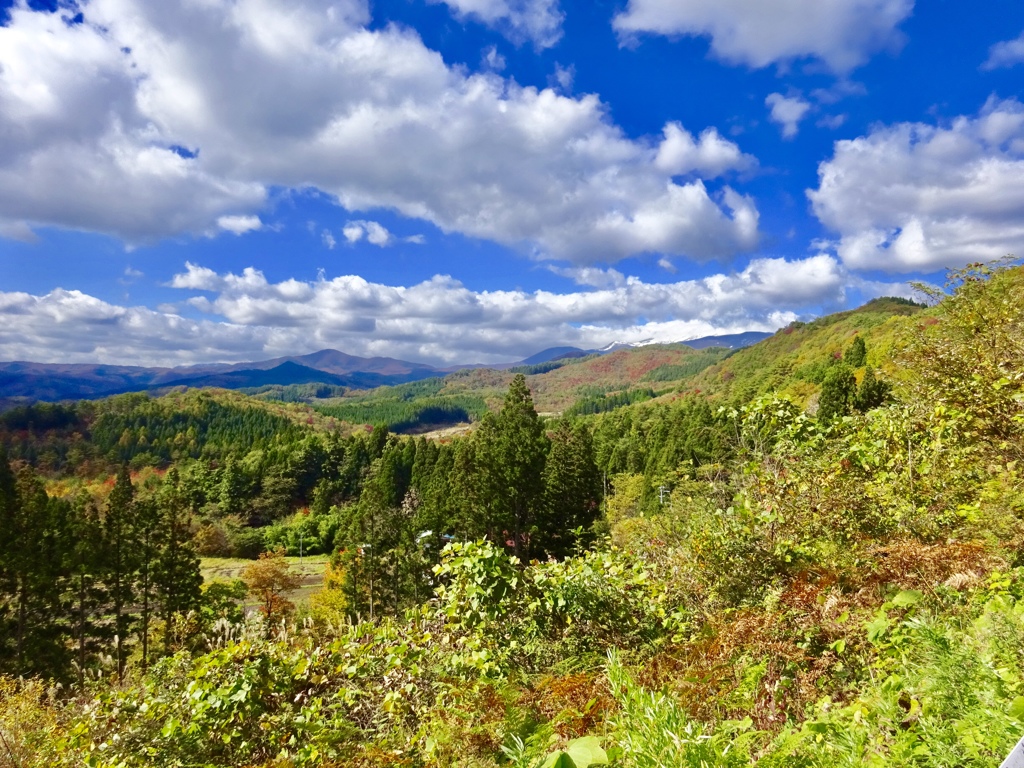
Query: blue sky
[475,180]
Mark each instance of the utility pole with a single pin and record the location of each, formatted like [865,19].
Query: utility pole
[661,494]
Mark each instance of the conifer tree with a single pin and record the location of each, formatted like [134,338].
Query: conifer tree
[121,549]
[176,576]
[857,353]
[572,489]
[10,517]
[872,392]
[512,465]
[837,393]
[86,592]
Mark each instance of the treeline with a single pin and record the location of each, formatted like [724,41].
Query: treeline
[82,578]
[532,488]
[93,437]
[588,406]
[401,415]
[85,587]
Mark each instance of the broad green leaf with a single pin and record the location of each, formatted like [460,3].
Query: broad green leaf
[586,752]
[559,760]
[877,627]
[907,597]
[1017,708]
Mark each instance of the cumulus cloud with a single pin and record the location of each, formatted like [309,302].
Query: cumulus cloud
[841,33]
[300,95]
[327,238]
[535,21]
[787,111]
[376,234]
[245,316]
[1007,53]
[239,225]
[917,197]
[709,155]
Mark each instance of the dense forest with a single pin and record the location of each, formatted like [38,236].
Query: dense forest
[807,553]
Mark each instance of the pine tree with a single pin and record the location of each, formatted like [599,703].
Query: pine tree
[147,520]
[86,591]
[10,544]
[572,489]
[513,464]
[176,576]
[872,392]
[121,549]
[857,353]
[837,393]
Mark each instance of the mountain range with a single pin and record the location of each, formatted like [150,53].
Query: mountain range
[27,381]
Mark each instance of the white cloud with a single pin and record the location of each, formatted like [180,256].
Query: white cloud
[787,111]
[239,225]
[841,33]
[564,77]
[353,231]
[536,21]
[376,234]
[595,277]
[492,59]
[914,197]
[300,95]
[439,320]
[1007,53]
[328,239]
[710,155]
[832,122]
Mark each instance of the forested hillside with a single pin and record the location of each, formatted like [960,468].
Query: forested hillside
[803,553]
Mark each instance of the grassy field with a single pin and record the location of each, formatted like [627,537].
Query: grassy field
[310,569]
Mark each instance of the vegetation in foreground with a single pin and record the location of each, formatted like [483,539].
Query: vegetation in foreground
[838,584]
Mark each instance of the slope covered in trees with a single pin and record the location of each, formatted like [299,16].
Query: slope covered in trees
[825,572]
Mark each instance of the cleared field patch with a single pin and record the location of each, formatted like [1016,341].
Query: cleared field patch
[309,568]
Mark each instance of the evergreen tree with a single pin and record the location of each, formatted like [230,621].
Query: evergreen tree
[837,393]
[572,489]
[86,591]
[147,531]
[10,544]
[37,566]
[176,577]
[872,392]
[513,464]
[857,353]
[121,549]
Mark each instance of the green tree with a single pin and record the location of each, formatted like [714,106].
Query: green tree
[177,578]
[857,353]
[572,489]
[10,523]
[87,594]
[837,393]
[121,550]
[37,569]
[872,392]
[512,465]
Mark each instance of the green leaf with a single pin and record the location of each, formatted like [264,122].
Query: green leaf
[559,760]
[1017,708]
[877,627]
[586,752]
[907,598]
